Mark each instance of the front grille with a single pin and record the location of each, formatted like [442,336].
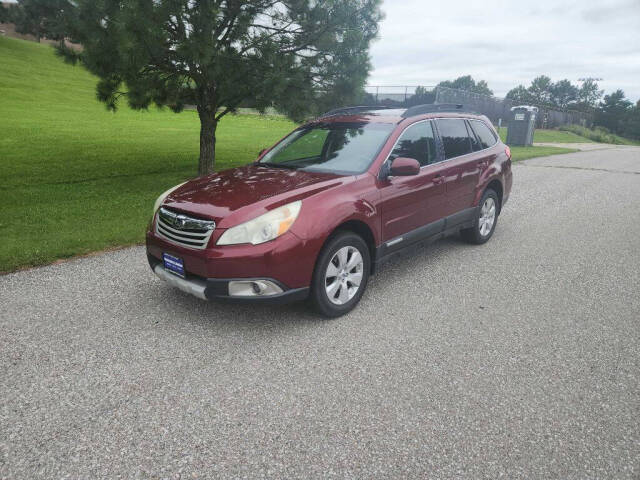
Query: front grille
[184,230]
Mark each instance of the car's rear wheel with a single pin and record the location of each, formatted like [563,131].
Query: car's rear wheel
[341,274]
[485,220]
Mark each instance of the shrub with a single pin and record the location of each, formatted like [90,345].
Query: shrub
[597,134]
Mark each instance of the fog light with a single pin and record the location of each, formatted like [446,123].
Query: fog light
[253,288]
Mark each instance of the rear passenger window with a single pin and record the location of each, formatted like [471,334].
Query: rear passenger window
[416,142]
[455,137]
[485,134]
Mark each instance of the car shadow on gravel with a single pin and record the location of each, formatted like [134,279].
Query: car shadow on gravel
[191,309]
[269,317]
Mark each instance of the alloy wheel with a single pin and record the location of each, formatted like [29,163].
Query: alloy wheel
[344,275]
[487,216]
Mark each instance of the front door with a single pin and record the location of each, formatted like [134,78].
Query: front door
[410,203]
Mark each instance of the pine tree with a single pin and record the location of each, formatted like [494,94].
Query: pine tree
[298,55]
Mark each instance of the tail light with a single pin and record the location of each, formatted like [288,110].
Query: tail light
[507,150]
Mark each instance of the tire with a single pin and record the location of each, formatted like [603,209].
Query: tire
[335,295]
[485,220]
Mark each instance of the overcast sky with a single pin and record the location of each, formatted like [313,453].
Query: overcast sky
[509,42]
[423,42]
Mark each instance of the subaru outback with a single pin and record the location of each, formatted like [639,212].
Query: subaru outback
[318,212]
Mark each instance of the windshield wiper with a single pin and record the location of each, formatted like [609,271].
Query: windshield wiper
[277,165]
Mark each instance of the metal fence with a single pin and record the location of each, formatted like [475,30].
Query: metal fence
[497,109]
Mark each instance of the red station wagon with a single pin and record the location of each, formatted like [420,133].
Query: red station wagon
[316,213]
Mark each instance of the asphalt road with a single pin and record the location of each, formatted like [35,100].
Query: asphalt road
[519,358]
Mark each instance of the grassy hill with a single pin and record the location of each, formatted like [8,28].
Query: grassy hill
[76,178]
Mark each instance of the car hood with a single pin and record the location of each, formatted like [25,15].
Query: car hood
[232,196]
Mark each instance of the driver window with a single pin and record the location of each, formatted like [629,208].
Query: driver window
[416,142]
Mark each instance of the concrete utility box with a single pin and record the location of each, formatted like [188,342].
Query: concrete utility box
[522,123]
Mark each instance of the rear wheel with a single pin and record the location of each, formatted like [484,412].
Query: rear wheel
[341,274]
[485,220]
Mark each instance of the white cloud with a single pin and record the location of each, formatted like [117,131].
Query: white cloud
[507,42]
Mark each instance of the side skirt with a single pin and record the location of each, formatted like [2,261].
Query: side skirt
[429,233]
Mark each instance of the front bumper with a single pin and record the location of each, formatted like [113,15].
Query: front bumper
[288,259]
[218,289]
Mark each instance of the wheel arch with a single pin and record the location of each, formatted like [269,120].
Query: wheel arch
[496,185]
[360,228]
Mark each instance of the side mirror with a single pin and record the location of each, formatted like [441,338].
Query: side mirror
[404,167]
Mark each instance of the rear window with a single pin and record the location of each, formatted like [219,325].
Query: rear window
[455,137]
[484,133]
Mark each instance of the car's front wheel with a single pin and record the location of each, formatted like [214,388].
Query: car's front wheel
[341,274]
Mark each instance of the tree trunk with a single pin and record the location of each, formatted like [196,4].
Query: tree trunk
[208,125]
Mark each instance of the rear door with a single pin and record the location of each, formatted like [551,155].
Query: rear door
[408,203]
[463,165]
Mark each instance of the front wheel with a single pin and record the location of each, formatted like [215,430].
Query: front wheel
[485,220]
[341,274]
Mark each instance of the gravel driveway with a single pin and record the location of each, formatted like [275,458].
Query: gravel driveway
[519,358]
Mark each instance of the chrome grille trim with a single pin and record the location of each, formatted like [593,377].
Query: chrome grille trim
[184,230]
[181,232]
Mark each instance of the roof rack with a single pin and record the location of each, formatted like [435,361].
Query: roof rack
[352,110]
[435,107]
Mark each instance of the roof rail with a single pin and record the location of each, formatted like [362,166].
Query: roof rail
[435,107]
[352,110]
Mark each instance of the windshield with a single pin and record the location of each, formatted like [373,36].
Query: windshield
[343,148]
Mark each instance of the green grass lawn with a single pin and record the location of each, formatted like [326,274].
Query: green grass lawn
[75,178]
[523,153]
[550,136]
[544,136]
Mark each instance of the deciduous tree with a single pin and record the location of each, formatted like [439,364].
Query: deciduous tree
[519,95]
[589,92]
[420,97]
[43,18]
[540,90]
[4,14]
[466,82]
[563,93]
[612,112]
[632,124]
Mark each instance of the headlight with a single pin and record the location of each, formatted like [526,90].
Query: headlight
[264,228]
[161,198]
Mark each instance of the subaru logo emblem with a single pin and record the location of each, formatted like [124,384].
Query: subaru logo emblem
[184,222]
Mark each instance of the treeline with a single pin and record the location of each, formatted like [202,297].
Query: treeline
[613,112]
[560,95]
[619,115]
[41,18]
[423,95]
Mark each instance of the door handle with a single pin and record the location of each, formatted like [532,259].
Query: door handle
[483,164]
[438,179]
